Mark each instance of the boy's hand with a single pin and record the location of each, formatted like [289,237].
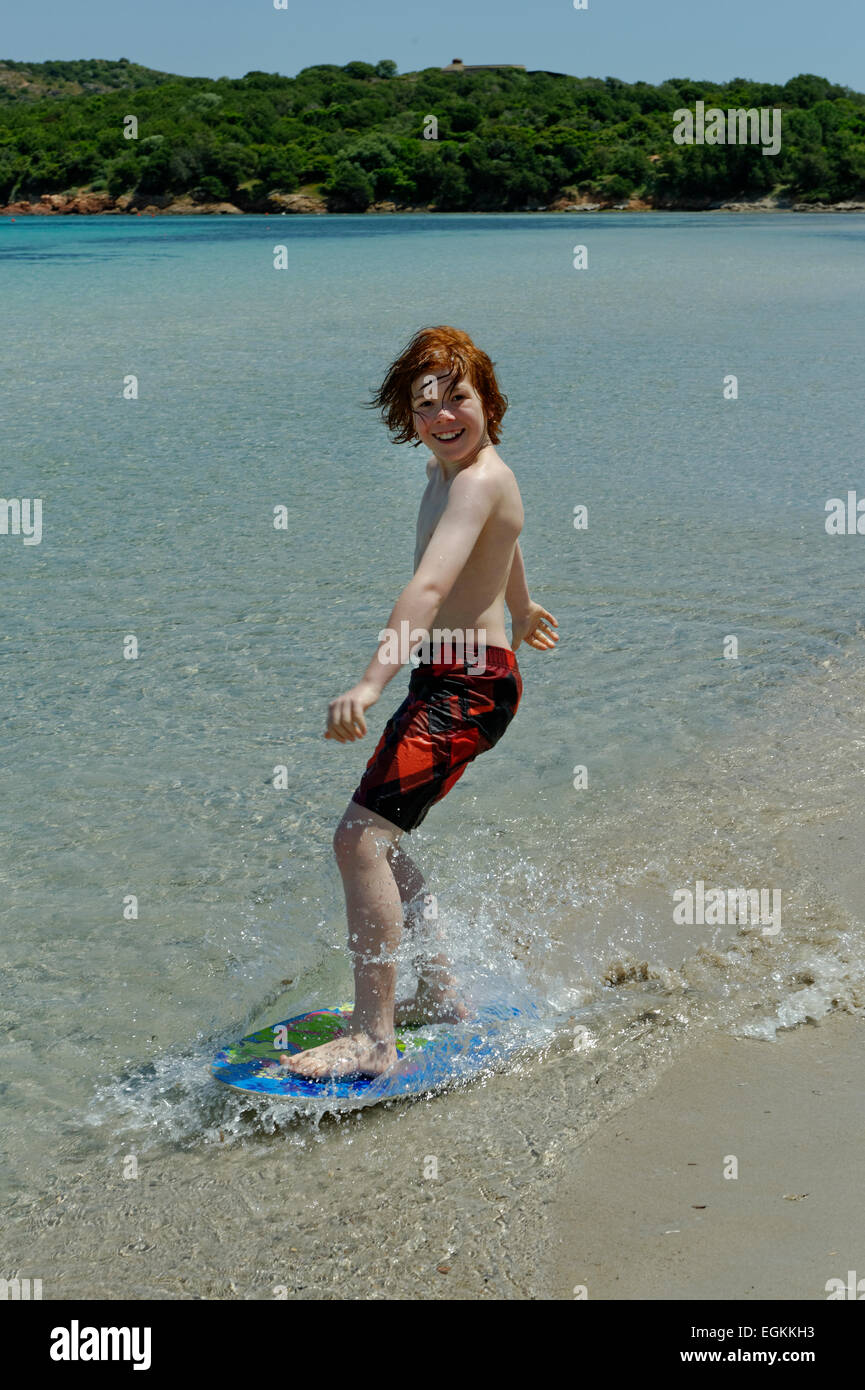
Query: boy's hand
[533,627]
[345,721]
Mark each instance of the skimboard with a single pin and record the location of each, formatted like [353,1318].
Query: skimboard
[429,1058]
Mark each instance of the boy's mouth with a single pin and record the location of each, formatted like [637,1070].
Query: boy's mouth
[449,436]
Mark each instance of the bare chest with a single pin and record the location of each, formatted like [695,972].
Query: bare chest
[433,503]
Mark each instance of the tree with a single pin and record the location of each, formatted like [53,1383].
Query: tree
[453,190]
[211,190]
[122,175]
[156,171]
[806,89]
[350,188]
[361,71]
[393,183]
[616,187]
[813,175]
[229,161]
[280,168]
[631,164]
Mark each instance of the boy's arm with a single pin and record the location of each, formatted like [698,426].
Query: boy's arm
[468,509]
[517,592]
[529,621]
[450,545]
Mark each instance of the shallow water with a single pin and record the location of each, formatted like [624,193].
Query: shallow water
[153,777]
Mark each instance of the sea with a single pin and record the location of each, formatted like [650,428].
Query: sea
[223,528]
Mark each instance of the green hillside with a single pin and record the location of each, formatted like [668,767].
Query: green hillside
[27,82]
[506,139]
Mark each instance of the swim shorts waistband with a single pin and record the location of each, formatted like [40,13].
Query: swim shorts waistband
[487,658]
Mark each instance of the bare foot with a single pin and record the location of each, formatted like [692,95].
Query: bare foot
[347,1054]
[429,1006]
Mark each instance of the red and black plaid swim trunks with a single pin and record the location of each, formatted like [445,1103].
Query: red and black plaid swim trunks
[452,712]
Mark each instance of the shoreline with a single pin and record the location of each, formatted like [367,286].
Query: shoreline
[90,204]
[639,1210]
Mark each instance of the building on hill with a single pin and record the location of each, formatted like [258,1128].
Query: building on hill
[459,66]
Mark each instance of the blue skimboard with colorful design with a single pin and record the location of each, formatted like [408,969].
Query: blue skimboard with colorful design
[430,1058]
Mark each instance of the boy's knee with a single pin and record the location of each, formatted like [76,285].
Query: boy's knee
[344,838]
[355,839]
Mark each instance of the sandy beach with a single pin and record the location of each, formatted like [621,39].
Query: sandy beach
[646,1212]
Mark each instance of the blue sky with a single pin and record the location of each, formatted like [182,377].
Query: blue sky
[770,40]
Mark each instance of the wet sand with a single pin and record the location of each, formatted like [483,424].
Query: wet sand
[646,1213]
[639,1209]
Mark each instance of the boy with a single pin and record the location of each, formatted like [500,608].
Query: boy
[441,391]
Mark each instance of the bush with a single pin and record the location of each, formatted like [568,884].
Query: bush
[360,71]
[211,190]
[350,188]
[453,190]
[616,187]
[280,168]
[122,175]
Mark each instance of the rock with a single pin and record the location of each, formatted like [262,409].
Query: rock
[829,207]
[382,207]
[765,203]
[89,203]
[187,206]
[52,203]
[295,202]
[153,202]
[572,204]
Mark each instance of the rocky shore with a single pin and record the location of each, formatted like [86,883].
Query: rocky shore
[85,202]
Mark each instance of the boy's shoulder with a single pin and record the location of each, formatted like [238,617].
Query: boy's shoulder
[488,474]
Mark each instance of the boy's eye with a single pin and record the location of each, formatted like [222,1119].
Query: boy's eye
[422,405]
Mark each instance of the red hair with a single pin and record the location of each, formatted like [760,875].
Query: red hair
[432,349]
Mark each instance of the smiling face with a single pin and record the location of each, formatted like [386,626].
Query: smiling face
[448,416]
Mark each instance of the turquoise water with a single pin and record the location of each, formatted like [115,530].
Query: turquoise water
[153,777]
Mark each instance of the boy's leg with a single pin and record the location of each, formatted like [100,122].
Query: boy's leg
[362,843]
[436,999]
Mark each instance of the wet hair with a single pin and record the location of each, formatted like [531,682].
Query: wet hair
[433,350]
